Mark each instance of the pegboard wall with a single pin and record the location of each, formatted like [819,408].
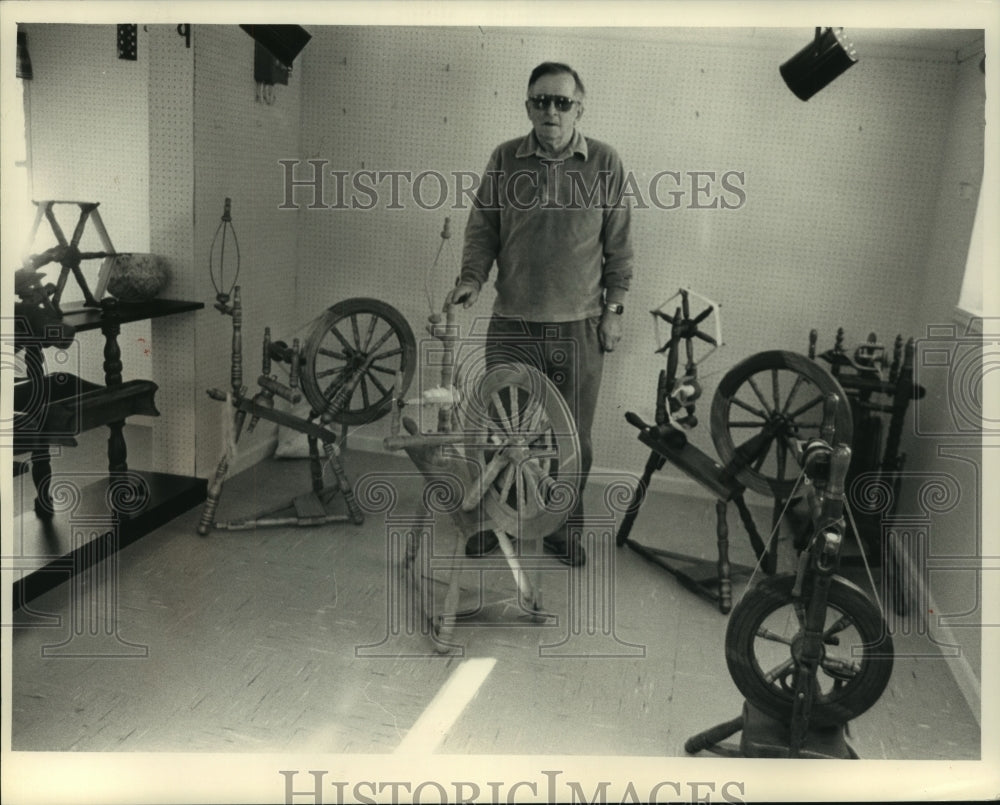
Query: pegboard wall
[839,202]
[837,219]
[88,141]
[173,341]
[238,142]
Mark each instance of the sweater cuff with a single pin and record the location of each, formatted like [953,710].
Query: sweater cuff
[615,296]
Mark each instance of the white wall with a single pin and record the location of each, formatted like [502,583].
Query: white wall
[89,141]
[841,191]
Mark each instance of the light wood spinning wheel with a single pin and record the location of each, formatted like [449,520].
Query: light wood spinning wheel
[505,457]
[526,448]
[762,406]
[352,357]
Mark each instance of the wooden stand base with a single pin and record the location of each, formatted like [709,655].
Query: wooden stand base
[48,552]
[766,737]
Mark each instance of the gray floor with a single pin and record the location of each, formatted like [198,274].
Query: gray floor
[294,640]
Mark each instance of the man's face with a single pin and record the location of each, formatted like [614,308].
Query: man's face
[554,129]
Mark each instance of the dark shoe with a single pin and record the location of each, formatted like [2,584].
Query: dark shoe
[570,553]
[480,544]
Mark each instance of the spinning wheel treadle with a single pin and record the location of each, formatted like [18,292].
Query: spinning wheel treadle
[763,643]
[351,359]
[776,398]
[524,440]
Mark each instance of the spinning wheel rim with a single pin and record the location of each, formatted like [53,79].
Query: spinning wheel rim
[770,413]
[852,675]
[358,339]
[532,446]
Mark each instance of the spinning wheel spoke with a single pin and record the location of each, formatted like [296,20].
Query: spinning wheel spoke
[520,491]
[791,394]
[838,626]
[364,390]
[749,408]
[353,341]
[390,353]
[372,322]
[776,389]
[355,332]
[797,385]
[818,400]
[780,672]
[348,349]
[781,455]
[767,634]
[760,395]
[506,482]
[374,380]
[842,671]
[501,412]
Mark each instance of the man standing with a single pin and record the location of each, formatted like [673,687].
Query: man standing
[549,213]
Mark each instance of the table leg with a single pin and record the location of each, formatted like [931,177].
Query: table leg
[117,450]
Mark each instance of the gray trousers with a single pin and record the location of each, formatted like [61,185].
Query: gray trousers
[569,354]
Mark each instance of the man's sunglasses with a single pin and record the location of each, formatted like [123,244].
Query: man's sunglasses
[562,103]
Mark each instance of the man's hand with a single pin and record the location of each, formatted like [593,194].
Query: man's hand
[610,331]
[464,294]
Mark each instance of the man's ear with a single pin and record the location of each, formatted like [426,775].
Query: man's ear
[579,110]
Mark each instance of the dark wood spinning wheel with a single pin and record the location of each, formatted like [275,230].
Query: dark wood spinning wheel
[762,406]
[764,644]
[351,360]
[525,442]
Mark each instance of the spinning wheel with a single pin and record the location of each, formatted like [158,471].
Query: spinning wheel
[777,398]
[763,651]
[526,448]
[514,462]
[377,339]
[351,358]
[506,447]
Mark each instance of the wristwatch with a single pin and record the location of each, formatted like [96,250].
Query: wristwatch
[615,307]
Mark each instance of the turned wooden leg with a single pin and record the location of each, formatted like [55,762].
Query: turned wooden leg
[41,475]
[333,455]
[315,465]
[212,498]
[117,452]
[654,463]
[722,533]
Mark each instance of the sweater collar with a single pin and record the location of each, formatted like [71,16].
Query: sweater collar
[530,146]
